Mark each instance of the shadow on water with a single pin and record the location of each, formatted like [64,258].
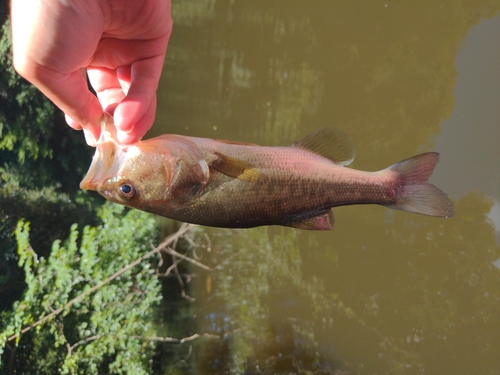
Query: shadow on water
[384,292]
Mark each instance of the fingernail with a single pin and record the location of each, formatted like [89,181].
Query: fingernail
[89,138]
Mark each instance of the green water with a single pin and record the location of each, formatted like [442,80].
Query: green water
[384,292]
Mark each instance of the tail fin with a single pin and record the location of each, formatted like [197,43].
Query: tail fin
[414,193]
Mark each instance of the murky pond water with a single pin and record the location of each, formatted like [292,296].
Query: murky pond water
[384,292]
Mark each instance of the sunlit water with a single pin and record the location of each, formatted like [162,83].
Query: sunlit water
[384,292]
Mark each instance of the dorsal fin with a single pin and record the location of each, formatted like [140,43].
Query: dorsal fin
[236,143]
[330,143]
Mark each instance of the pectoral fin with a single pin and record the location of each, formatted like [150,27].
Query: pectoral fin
[236,168]
[321,222]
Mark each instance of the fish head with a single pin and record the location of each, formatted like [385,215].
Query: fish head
[152,175]
[133,175]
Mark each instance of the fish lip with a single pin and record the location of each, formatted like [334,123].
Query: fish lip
[88,185]
[89,182]
[95,172]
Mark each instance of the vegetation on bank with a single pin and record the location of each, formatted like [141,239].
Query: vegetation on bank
[84,310]
[41,163]
[58,242]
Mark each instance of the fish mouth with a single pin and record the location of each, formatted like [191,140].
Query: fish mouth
[96,172]
[88,185]
[105,162]
[93,177]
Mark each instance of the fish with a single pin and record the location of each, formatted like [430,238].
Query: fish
[229,184]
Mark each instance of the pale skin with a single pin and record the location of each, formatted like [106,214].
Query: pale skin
[119,44]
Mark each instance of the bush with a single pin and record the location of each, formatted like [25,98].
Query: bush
[101,333]
[41,163]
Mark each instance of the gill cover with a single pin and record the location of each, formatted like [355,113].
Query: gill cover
[189,170]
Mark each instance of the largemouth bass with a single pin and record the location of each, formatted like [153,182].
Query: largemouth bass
[238,185]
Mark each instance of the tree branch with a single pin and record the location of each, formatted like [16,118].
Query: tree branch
[178,341]
[172,252]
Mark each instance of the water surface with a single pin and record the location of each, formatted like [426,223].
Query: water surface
[384,292]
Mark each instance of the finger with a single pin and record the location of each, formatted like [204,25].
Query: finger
[69,92]
[107,87]
[123,74]
[72,123]
[115,52]
[141,127]
[144,77]
[38,28]
[90,137]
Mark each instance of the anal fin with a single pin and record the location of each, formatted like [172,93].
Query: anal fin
[321,222]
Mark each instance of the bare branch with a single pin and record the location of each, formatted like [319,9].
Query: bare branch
[181,283]
[196,336]
[172,267]
[177,341]
[171,251]
[86,340]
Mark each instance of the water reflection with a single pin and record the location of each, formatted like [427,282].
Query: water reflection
[385,292]
[470,136]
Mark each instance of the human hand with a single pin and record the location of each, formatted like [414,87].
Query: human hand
[120,43]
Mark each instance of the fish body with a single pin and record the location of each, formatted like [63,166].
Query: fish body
[238,185]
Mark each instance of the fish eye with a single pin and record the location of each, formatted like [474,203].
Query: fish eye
[126,190]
